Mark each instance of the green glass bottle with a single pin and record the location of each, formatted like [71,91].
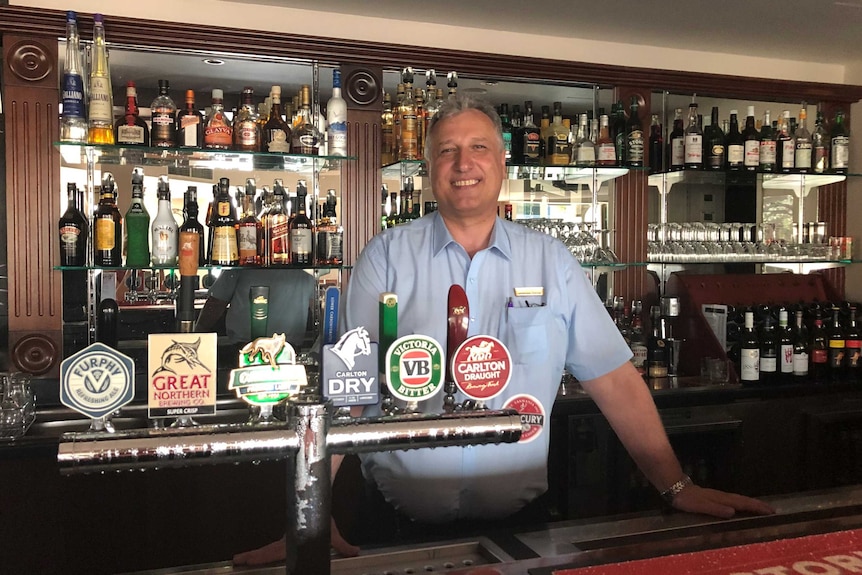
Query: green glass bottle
[137,225]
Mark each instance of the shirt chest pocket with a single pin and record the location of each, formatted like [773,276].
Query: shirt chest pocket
[527,333]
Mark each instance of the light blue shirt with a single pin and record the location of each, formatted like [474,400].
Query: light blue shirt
[566,327]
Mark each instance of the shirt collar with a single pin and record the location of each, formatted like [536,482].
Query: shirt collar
[499,237]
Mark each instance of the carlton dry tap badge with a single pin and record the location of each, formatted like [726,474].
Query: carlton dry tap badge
[182,368]
[350,370]
[267,372]
[414,368]
[97,381]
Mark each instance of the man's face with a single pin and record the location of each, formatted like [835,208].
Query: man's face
[467,165]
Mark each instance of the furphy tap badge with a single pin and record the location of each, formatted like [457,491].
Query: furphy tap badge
[481,367]
[97,381]
[532,415]
[414,367]
[350,370]
[267,372]
[182,374]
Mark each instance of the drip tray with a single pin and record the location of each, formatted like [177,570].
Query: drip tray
[423,560]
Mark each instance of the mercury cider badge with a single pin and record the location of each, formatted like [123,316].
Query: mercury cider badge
[532,415]
[414,367]
[267,372]
[97,381]
[182,374]
[350,370]
[481,367]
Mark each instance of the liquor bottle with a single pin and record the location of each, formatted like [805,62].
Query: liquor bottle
[714,143]
[785,348]
[750,143]
[557,142]
[73,123]
[387,126]
[408,144]
[419,102]
[819,146]
[853,349]
[517,121]
[225,251]
[638,344]
[130,129]
[191,223]
[386,206]
[749,352]
[835,339]
[432,101]
[246,132]
[801,346]
[634,137]
[583,150]
[819,355]
[137,225]
[329,234]
[276,132]
[693,140]
[769,353]
[803,151]
[301,232]
[606,149]
[506,124]
[840,144]
[107,322]
[394,210]
[336,119]
[656,145]
[785,147]
[164,111]
[165,230]
[532,138]
[190,124]
[618,131]
[306,137]
[278,226]
[676,144]
[101,109]
[107,226]
[249,232]
[657,356]
[218,132]
[74,230]
[396,121]
[735,145]
[452,84]
[767,145]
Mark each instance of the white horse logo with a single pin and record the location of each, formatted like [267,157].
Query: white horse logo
[351,345]
[481,351]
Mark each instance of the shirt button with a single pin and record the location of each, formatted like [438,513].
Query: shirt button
[473,318]
[472,280]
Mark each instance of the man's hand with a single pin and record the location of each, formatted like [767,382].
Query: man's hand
[696,499]
[276,551]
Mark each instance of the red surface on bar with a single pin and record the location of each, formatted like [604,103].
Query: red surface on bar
[828,554]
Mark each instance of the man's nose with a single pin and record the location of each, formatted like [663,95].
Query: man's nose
[464,160]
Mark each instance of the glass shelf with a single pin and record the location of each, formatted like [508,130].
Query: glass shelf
[569,174]
[800,183]
[203,268]
[404,169]
[79,155]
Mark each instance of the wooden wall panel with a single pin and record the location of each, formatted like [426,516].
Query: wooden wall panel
[832,209]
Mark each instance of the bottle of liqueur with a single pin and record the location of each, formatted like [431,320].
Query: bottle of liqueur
[532,138]
[634,137]
[557,143]
[769,370]
[74,231]
[605,147]
[248,234]
[507,131]
[301,232]
[190,124]
[73,123]
[107,226]
[432,101]
[419,101]
[818,365]
[714,143]
[101,109]
[246,132]
[452,83]
[276,132]
[853,349]
[656,145]
[657,355]
[137,225]
[387,125]
[836,343]
[840,144]
[225,251]
[329,234]
[785,348]
[130,129]
[676,144]
[164,111]
[278,226]
[785,148]
[767,145]
[408,144]
[803,152]
[819,146]
[306,137]
[750,143]
[165,231]
[735,145]
[190,221]
[618,131]
[336,119]
[749,352]
[800,349]
[693,140]
[218,131]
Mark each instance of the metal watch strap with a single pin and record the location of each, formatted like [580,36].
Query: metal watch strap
[671,492]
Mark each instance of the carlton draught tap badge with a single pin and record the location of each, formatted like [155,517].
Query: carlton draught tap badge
[97,381]
[267,372]
[350,370]
[182,374]
[481,367]
[414,368]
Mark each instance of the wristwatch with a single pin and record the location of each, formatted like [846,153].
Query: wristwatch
[671,492]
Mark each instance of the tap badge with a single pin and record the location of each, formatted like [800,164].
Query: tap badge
[350,370]
[532,415]
[97,381]
[182,374]
[414,367]
[267,372]
[481,367]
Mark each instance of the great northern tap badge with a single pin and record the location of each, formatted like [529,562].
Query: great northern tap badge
[182,374]
[267,372]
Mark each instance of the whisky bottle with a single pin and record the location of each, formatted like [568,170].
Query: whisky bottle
[802,156]
[507,131]
[306,137]
[263,216]
[137,225]
[278,230]
[130,129]
[750,143]
[224,245]
[165,232]
[557,143]
[532,138]
[218,132]
[329,234]
[819,146]
[74,230]
[336,119]
[101,109]
[693,140]
[190,124]
[107,226]
[301,233]
[714,143]
[840,144]
[676,146]
[248,234]
[408,144]
[452,84]
[517,120]
[73,123]
[785,148]
[735,145]
[190,221]
[634,136]
[246,132]
[387,126]
[164,111]
[396,121]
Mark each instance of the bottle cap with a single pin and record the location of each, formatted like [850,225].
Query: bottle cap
[71,16]
[751,111]
[98,19]
[218,94]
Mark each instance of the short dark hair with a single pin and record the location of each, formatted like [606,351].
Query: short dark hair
[457,104]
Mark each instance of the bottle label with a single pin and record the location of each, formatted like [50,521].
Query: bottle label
[69,236]
[735,154]
[767,152]
[103,236]
[224,249]
[246,134]
[854,353]
[788,149]
[101,106]
[73,96]
[840,152]
[279,237]
[300,242]
[635,147]
[768,364]
[247,238]
[409,143]
[131,135]
[716,157]
[836,356]
[218,134]
[677,152]
[607,153]
[693,149]
[586,155]
[786,358]
[337,139]
[750,364]
[803,155]
[278,143]
[821,159]
[819,356]
[189,125]
[163,128]
[800,363]
[639,355]
[751,153]
[532,147]
[164,243]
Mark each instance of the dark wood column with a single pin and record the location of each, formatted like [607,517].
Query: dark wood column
[30,101]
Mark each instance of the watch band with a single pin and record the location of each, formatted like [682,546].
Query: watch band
[671,492]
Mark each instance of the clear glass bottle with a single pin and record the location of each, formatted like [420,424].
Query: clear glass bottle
[557,143]
[306,137]
[246,132]
[408,145]
[165,231]
[800,349]
[785,347]
[749,372]
[101,108]
[693,140]
[131,130]
[137,225]
[336,119]
[164,112]
[73,123]
[190,124]
[74,231]
[218,131]
[301,232]
[584,149]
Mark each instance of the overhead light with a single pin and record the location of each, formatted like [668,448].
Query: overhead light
[490,83]
[213,61]
[848,4]
[476,90]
